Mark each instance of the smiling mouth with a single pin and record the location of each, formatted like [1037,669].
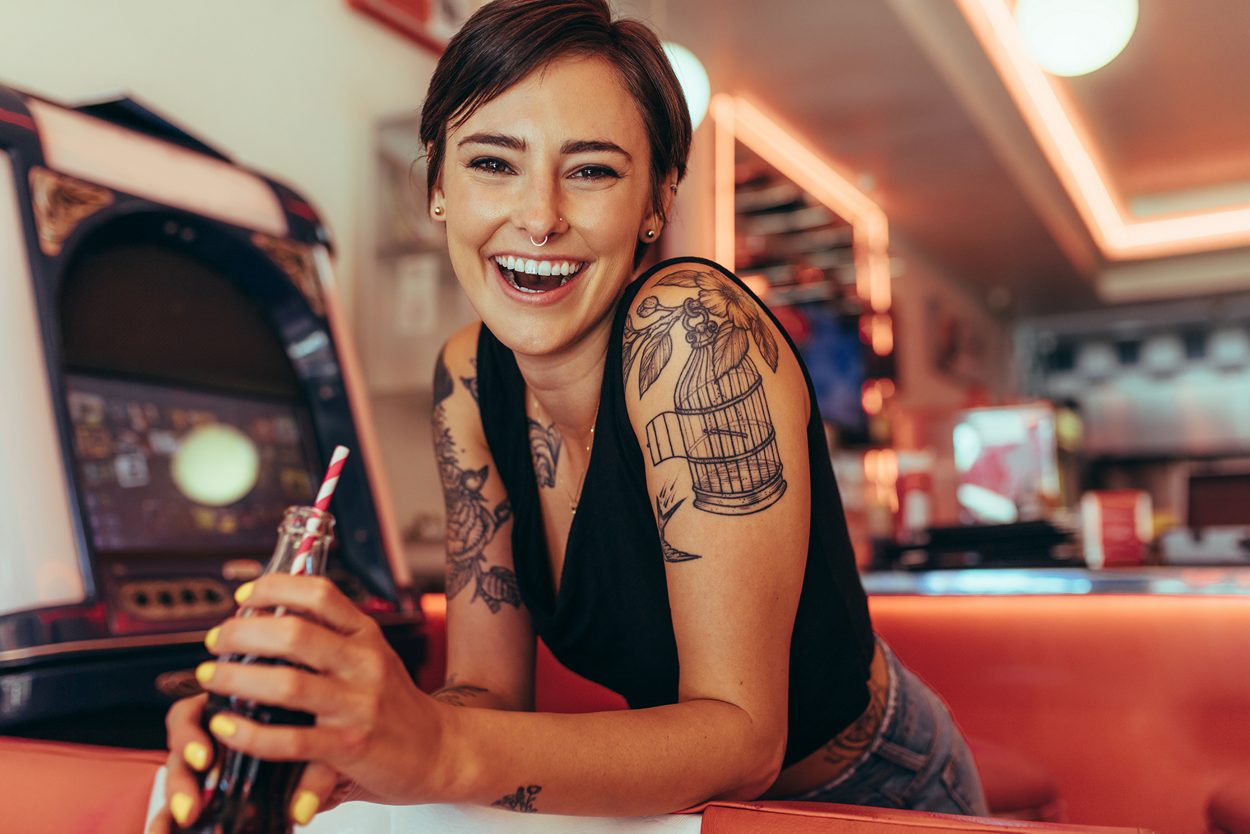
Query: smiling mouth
[537,276]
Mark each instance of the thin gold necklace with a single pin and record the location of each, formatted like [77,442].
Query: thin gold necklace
[576,498]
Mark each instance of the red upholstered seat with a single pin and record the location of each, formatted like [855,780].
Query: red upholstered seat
[824,818]
[1016,787]
[74,788]
[1228,811]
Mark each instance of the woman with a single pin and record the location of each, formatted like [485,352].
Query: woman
[633,470]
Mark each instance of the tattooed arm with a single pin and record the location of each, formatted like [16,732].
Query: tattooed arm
[490,642]
[731,501]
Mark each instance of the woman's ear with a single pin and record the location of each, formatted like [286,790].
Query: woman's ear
[652,222]
[438,206]
[437,203]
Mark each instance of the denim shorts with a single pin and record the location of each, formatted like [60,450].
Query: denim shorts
[918,759]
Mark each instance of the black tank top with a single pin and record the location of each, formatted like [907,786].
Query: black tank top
[610,621]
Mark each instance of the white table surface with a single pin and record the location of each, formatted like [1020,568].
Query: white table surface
[367,818]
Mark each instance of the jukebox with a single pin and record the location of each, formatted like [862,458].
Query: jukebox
[175,372]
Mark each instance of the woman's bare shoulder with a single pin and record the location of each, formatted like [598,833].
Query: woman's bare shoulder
[460,350]
[455,382]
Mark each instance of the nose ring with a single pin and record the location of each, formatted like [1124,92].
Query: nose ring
[538,243]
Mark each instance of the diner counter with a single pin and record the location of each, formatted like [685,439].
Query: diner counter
[1061,581]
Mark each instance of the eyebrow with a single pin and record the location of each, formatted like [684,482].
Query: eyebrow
[500,140]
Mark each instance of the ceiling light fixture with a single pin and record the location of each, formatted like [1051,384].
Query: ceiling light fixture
[694,81]
[1076,37]
[1065,142]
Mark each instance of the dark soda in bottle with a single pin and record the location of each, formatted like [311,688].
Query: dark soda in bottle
[243,794]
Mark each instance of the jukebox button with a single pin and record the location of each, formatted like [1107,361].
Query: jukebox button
[165,598]
[141,599]
[188,596]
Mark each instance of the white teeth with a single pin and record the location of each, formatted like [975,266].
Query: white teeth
[563,269]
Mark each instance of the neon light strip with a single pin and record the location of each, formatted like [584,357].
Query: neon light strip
[1068,149]
[738,119]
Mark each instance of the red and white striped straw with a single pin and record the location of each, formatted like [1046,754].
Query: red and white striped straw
[299,566]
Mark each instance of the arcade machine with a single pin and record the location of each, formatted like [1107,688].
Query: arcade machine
[175,373]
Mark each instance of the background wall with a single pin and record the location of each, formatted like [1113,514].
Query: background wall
[289,87]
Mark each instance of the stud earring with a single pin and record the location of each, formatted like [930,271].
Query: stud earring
[438,211]
[650,234]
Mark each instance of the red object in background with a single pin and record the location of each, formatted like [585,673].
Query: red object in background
[795,323]
[430,23]
[915,502]
[1116,527]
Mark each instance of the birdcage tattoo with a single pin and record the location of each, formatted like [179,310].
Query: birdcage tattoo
[722,427]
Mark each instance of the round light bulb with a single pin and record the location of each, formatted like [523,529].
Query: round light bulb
[694,81]
[215,465]
[1075,37]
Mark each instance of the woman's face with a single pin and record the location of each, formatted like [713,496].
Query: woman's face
[562,155]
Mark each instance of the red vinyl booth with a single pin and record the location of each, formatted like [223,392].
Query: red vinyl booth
[1137,707]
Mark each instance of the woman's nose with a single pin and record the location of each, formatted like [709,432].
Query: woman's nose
[539,211]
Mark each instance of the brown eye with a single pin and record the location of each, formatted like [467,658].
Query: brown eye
[595,172]
[491,165]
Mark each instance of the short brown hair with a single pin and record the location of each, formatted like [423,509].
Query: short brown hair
[506,40]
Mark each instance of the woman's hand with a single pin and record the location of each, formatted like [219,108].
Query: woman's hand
[373,726]
[189,747]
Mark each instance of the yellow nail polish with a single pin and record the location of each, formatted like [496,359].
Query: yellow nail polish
[180,807]
[222,726]
[305,806]
[205,671]
[210,639]
[243,592]
[196,755]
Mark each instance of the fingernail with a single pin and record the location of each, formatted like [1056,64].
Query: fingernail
[243,592]
[210,639]
[222,726]
[196,755]
[180,807]
[305,806]
[205,671]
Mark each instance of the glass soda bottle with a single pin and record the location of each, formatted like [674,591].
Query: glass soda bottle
[243,794]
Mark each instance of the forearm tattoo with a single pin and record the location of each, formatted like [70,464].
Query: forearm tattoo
[664,509]
[522,800]
[457,694]
[545,450]
[721,424]
[471,522]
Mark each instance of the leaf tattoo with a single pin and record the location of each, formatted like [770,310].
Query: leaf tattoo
[664,509]
[522,800]
[455,694]
[545,444]
[655,355]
